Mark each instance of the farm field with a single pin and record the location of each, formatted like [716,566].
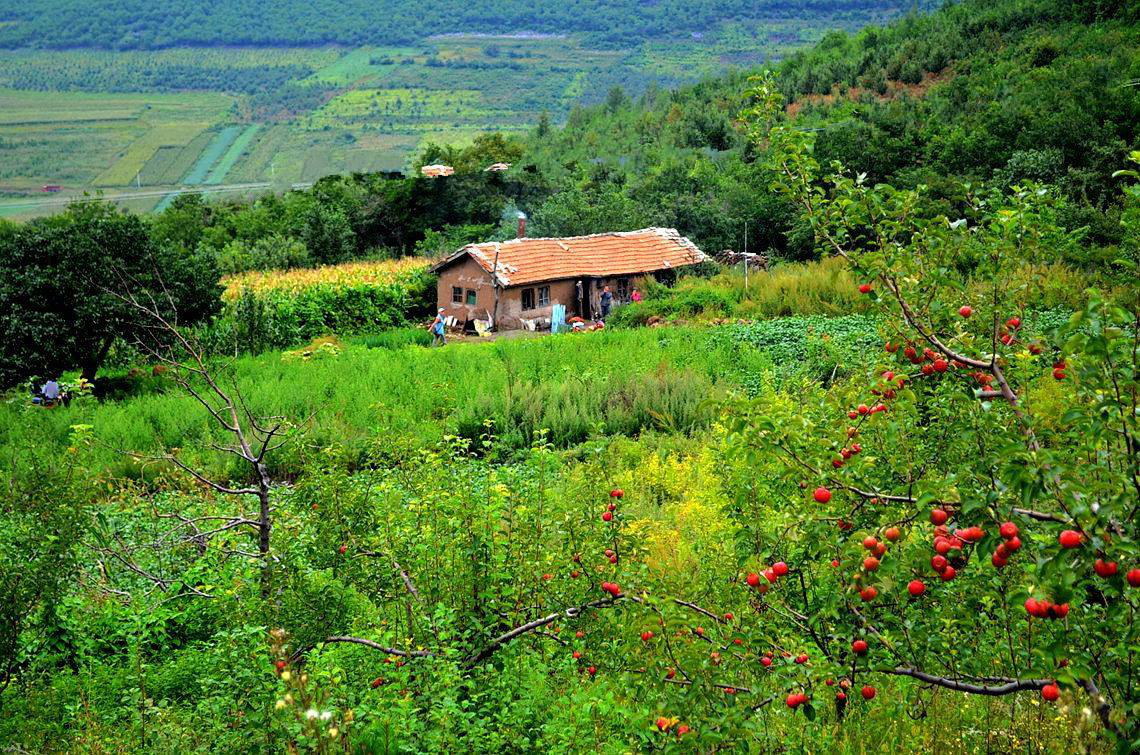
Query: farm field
[369,273]
[154,118]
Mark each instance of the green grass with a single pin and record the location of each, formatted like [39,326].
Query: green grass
[417,395]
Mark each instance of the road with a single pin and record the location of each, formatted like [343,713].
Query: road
[57,200]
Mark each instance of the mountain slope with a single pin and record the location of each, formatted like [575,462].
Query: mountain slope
[150,24]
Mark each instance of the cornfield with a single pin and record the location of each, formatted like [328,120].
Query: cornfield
[370,273]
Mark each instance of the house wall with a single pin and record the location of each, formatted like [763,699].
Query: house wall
[467,275]
[511,312]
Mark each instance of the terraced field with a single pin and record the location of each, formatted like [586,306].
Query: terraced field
[155,120]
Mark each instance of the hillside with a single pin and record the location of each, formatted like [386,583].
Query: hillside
[992,91]
[137,99]
[139,24]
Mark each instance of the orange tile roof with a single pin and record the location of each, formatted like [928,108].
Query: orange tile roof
[601,255]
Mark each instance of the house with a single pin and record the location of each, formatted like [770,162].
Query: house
[522,279]
[435,171]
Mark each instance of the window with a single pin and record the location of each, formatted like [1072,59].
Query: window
[544,296]
[471,297]
[456,295]
[528,298]
[623,289]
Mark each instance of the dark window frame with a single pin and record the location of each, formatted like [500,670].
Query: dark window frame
[623,289]
[542,298]
[456,294]
[527,299]
[472,297]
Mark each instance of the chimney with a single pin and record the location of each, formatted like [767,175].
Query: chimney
[522,226]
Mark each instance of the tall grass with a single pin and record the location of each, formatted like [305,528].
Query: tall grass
[399,399]
[826,287]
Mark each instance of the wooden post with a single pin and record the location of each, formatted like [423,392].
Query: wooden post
[495,284]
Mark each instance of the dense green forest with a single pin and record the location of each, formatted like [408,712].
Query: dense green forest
[168,23]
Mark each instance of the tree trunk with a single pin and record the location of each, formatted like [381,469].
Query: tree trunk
[90,366]
[264,528]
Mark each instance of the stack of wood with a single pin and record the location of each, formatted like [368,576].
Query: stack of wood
[755,260]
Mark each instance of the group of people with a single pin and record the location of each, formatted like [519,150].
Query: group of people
[607,301]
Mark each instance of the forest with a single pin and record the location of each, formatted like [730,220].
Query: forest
[131,25]
[876,492]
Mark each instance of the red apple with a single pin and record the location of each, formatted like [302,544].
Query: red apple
[859,647]
[822,495]
[870,563]
[765,661]
[870,542]
[949,573]
[938,516]
[965,310]
[780,568]
[1070,539]
[864,288]
[575,655]
[607,516]
[916,587]
[646,636]
[1133,577]
[939,564]
[802,658]
[592,670]
[753,580]
[617,493]
[1105,569]
[1050,692]
[868,692]
[868,593]
[342,549]
[892,534]
[662,723]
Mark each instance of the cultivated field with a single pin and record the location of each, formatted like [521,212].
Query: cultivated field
[151,120]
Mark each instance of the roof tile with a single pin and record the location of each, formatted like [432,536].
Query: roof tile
[601,255]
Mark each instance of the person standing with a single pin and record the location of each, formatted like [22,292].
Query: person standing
[607,302]
[635,297]
[437,330]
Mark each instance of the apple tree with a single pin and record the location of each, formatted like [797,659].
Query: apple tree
[961,508]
